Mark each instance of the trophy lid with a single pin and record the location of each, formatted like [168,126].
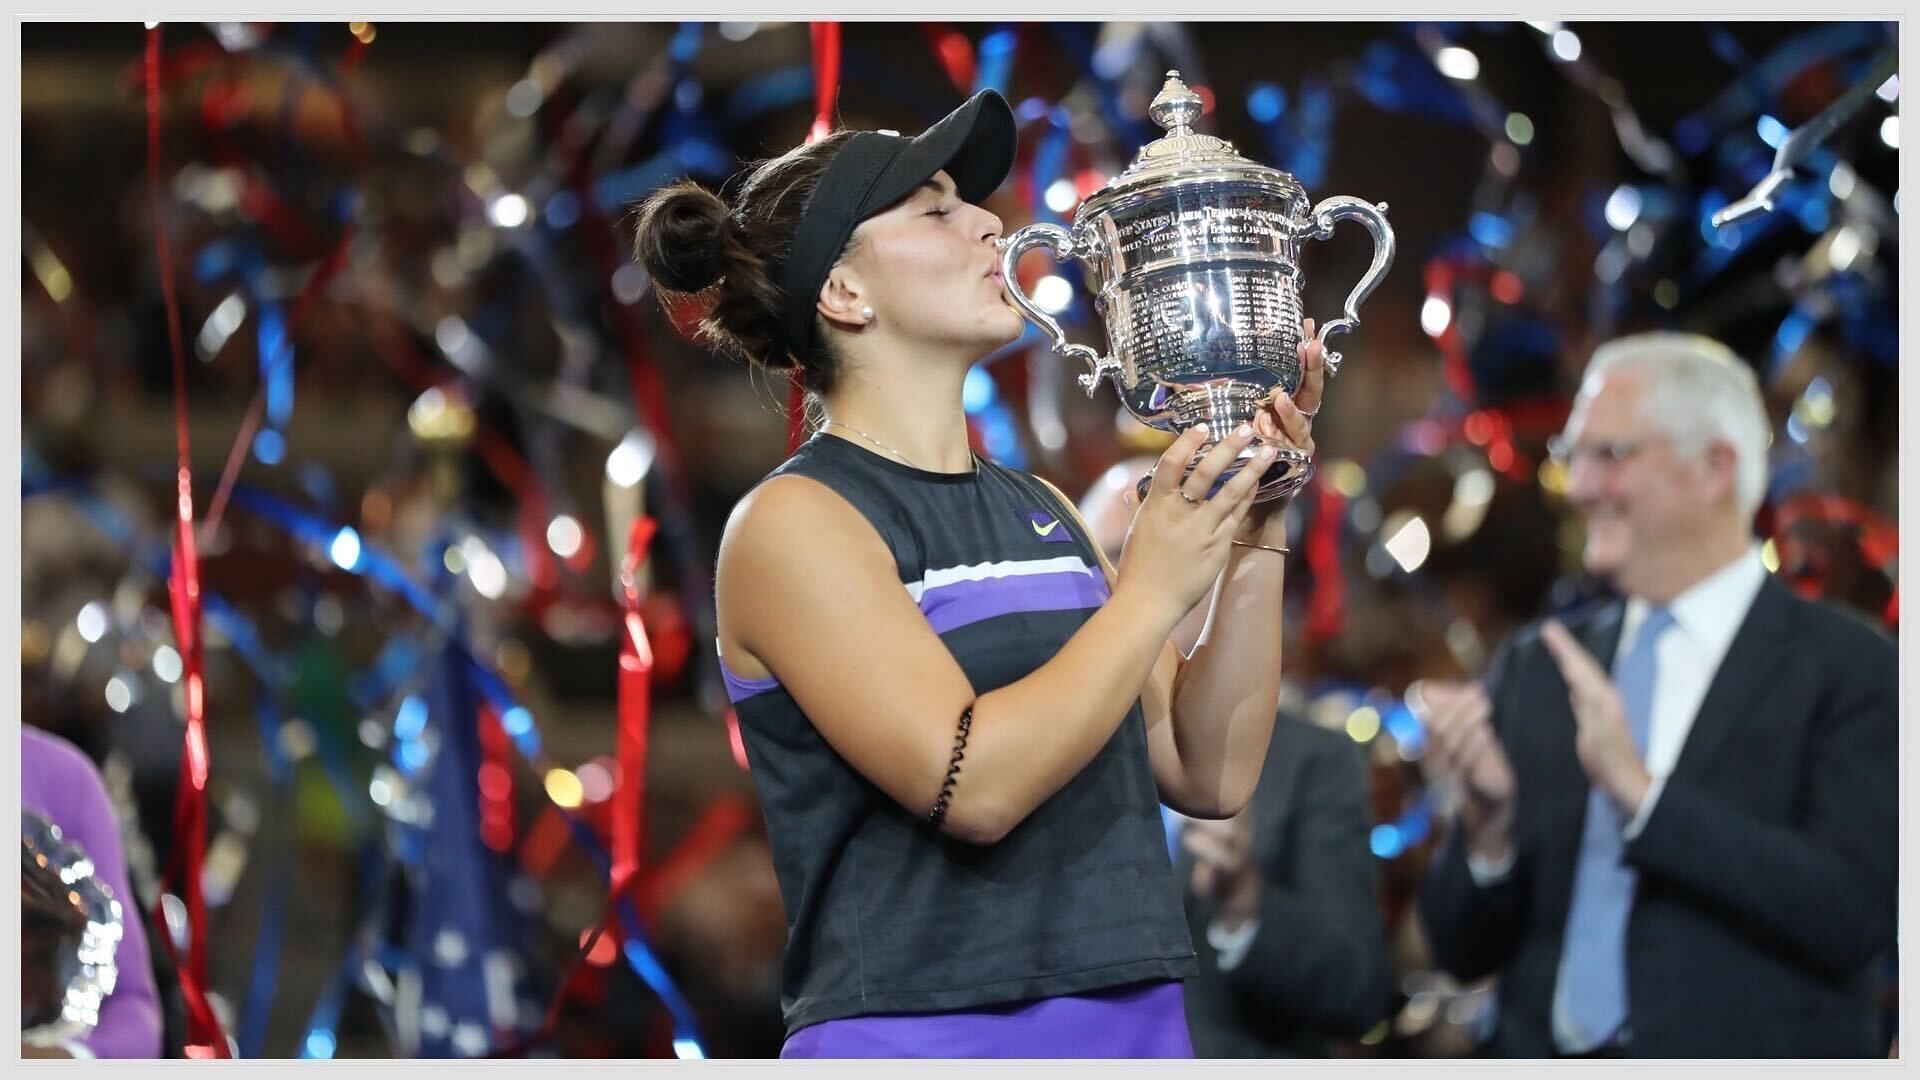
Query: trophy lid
[1184,154]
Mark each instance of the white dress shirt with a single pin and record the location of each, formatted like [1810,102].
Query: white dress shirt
[1706,617]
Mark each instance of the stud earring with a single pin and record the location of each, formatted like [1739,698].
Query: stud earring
[866,313]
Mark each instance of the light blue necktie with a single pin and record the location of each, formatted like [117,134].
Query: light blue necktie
[1592,986]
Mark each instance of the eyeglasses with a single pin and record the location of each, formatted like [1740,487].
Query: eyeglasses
[1599,452]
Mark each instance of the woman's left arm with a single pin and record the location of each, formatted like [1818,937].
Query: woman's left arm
[1210,708]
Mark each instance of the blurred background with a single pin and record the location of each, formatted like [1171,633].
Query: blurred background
[379,275]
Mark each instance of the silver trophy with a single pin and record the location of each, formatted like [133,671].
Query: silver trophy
[1194,256]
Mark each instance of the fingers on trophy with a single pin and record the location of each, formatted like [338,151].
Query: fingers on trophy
[1193,254]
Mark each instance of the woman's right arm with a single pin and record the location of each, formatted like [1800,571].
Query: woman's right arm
[808,590]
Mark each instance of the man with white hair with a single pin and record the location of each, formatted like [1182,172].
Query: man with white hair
[1676,813]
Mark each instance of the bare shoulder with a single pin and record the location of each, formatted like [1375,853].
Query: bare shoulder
[789,517]
[785,532]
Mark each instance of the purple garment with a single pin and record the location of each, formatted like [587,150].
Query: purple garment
[1146,1020]
[970,600]
[740,689]
[59,783]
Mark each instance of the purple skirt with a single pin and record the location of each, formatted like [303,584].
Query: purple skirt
[1145,1020]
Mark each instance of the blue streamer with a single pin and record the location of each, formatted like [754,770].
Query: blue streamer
[1049,161]
[993,60]
[1265,102]
[1727,47]
[1398,721]
[1395,75]
[321,1040]
[397,659]
[1298,138]
[636,949]
[267,715]
[1490,230]
[246,259]
[1729,242]
[1395,838]
[774,90]
[1759,84]
[690,157]
[686,43]
[266,965]
[276,364]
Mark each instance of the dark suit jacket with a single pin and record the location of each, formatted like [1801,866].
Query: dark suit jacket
[1317,968]
[1767,869]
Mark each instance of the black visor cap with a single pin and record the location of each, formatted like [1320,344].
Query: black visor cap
[873,171]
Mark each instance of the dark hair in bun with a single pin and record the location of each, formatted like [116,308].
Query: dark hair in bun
[689,240]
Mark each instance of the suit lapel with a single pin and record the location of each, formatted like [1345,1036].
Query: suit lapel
[1602,635]
[1565,789]
[1753,662]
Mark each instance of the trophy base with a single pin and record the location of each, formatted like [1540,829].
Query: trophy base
[1288,473]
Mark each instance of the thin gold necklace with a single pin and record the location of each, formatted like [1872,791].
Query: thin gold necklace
[883,446]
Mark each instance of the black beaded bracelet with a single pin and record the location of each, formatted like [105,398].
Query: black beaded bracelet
[939,811]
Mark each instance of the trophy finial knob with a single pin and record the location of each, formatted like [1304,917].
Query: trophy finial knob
[1175,107]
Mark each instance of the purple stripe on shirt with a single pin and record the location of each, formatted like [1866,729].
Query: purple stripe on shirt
[1146,1020]
[739,689]
[950,607]
[962,603]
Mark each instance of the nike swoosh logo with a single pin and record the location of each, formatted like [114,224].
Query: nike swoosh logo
[1048,531]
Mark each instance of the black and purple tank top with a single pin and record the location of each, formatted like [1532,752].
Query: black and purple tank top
[887,916]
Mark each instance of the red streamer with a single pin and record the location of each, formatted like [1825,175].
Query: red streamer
[1327,603]
[278,218]
[734,741]
[826,93]
[495,783]
[628,827]
[1876,535]
[954,51]
[184,63]
[236,457]
[1441,276]
[636,670]
[354,54]
[796,414]
[724,819]
[826,77]
[204,1035]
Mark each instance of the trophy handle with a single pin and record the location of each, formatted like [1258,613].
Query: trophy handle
[1060,242]
[1374,216]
